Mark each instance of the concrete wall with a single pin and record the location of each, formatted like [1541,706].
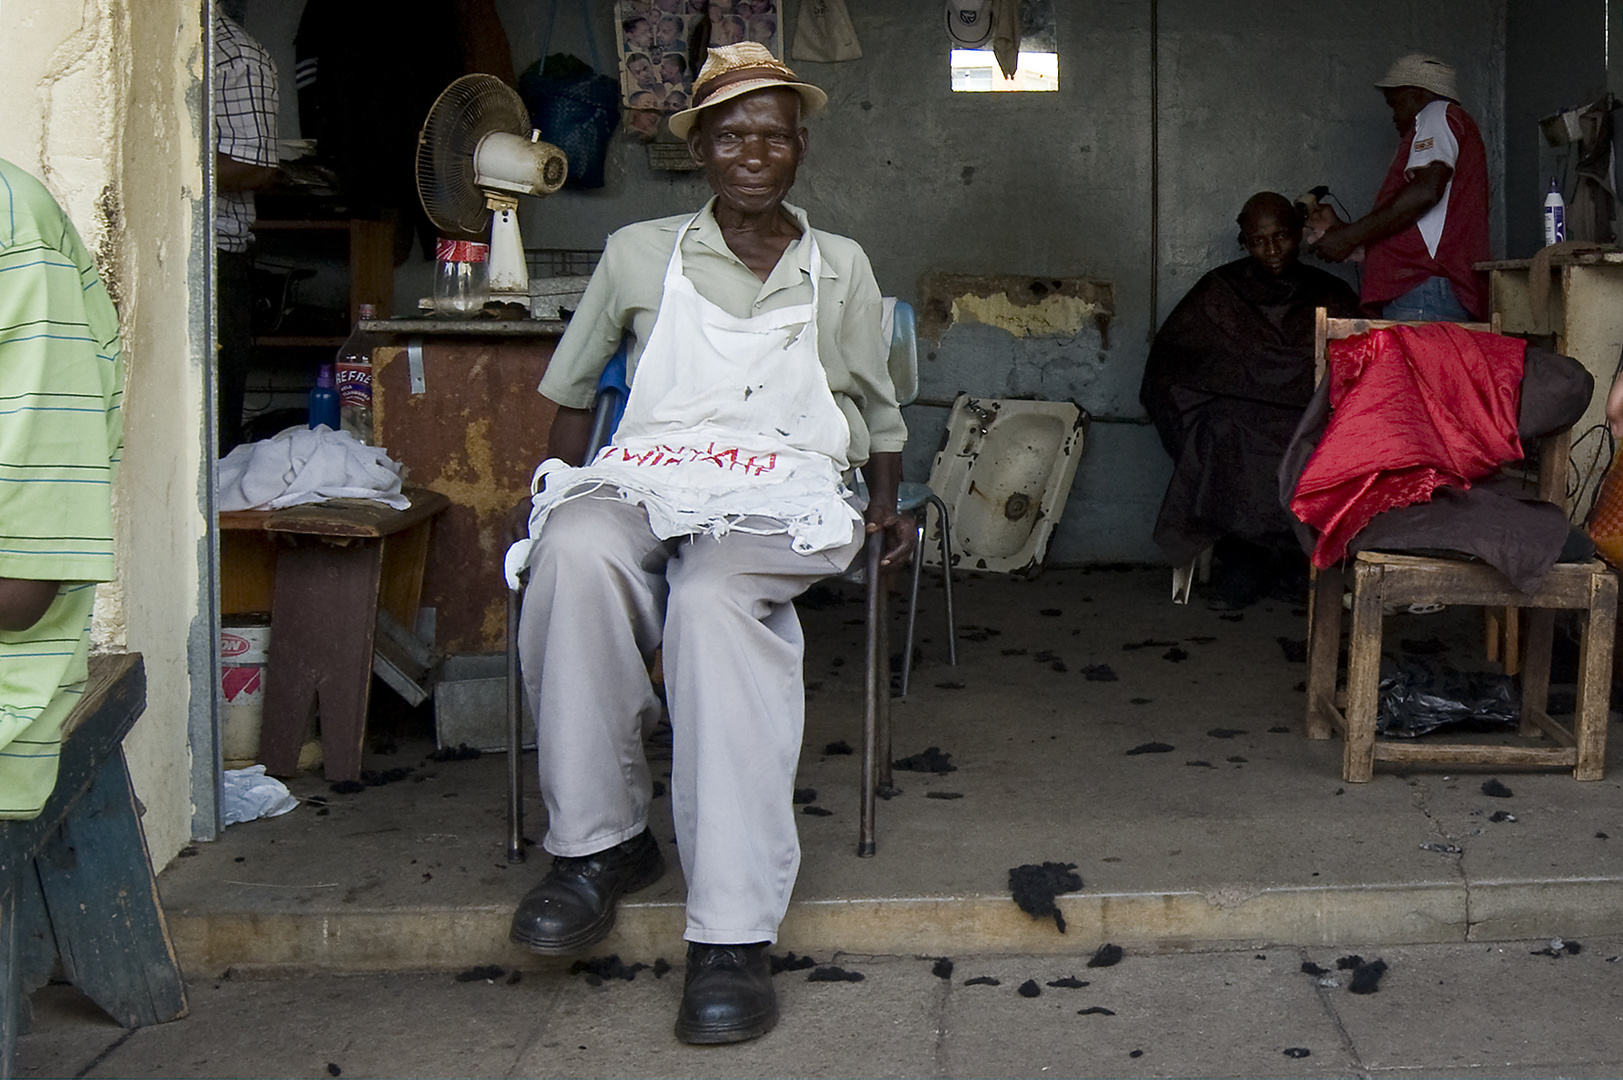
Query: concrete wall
[103,106]
[1254,94]
[1555,59]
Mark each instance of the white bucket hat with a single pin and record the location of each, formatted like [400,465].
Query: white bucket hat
[969,23]
[1426,72]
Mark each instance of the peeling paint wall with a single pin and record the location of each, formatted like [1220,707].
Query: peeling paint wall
[165,536]
[102,106]
[1022,305]
[60,65]
[1254,95]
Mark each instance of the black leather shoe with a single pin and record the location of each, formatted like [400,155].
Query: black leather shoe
[727,994]
[573,907]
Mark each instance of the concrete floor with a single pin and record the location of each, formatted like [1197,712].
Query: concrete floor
[1461,1010]
[1241,839]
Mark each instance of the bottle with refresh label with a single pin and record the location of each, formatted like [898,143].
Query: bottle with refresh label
[354,370]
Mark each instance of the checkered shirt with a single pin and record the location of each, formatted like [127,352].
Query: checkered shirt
[245,104]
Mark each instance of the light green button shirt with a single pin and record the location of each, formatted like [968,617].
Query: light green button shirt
[61,434]
[624,293]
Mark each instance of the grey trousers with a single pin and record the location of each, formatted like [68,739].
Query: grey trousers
[603,594]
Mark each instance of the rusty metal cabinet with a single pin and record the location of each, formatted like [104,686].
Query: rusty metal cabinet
[456,403]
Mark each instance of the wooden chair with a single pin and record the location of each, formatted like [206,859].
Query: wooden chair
[1378,579]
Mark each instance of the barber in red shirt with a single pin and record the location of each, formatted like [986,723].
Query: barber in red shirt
[1429,227]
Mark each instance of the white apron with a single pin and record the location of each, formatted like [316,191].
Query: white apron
[728,419]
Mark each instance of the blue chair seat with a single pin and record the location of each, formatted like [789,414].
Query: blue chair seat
[911,495]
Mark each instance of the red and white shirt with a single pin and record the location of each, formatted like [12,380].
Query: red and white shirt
[1450,238]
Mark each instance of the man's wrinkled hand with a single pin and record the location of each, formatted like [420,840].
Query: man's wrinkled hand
[517,526]
[901,535]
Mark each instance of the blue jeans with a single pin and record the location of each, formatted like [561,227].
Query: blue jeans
[1433,300]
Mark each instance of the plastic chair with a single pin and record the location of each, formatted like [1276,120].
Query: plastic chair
[1378,579]
[913,497]
[608,407]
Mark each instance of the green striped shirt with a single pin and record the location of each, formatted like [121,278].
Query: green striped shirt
[61,434]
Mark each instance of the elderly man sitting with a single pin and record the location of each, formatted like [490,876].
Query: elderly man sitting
[1226,381]
[758,380]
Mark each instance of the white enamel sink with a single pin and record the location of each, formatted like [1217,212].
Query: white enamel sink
[1004,471]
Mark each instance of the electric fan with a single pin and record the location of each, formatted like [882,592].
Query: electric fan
[475,155]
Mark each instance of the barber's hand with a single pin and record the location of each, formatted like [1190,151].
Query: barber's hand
[901,534]
[1335,245]
[1323,217]
[1614,409]
[517,526]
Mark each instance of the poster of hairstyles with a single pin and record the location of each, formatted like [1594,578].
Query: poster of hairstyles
[657,39]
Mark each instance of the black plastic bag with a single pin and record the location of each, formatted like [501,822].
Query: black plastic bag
[574,107]
[1419,696]
[576,110]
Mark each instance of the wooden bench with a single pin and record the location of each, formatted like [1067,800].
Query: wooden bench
[76,883]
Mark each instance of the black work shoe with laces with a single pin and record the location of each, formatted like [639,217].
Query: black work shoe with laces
[727,994]
[573,907]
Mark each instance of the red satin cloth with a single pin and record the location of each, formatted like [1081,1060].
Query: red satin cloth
[1412,409]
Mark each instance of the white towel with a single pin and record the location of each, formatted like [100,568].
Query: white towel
[307,465]
[246,794]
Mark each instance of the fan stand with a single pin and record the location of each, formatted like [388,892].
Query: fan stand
[509,278]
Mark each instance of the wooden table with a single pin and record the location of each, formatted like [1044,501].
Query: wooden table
[76,883]
[1585,313]
[326,569]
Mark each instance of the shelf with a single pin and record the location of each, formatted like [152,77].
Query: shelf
[310,224]
[488,328]
[294,341]
[368,256]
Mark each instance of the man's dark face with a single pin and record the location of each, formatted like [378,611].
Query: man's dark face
[1406,103]
[750,148]
[1271,241]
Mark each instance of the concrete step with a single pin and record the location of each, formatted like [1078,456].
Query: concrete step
[210,941]
[1239,832]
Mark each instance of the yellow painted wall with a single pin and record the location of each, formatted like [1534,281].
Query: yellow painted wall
[103,105]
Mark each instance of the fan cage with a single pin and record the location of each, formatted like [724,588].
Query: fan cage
[468,110]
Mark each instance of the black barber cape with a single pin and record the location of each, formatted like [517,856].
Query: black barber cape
[1227,378]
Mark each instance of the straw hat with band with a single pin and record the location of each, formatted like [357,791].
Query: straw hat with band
[731,71]
[1426,72]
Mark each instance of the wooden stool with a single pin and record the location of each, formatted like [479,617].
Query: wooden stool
[347,559]
[76,882]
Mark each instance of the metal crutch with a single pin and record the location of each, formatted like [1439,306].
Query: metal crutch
[515,732]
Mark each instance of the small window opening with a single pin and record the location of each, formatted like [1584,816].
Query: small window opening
[1037,70]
